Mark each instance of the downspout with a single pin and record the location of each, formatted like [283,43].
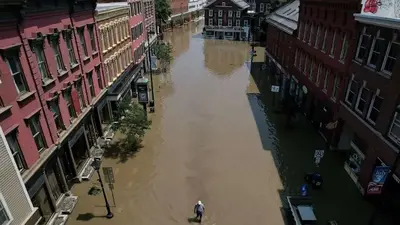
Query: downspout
[77,48]
[31,70]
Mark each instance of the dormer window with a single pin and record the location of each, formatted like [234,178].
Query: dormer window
[223,3]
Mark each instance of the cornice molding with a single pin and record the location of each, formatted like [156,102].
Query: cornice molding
[378,21]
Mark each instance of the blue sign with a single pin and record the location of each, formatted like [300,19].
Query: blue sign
[380,173]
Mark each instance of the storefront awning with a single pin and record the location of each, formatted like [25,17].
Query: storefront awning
[123,83]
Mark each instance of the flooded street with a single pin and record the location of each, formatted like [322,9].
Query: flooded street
[214,139]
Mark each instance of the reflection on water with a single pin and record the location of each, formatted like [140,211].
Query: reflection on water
[213,140]
[222,57]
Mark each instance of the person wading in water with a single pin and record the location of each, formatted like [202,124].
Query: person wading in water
[199,210]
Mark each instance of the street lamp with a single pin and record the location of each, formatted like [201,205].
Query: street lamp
[152,102]
[96,164]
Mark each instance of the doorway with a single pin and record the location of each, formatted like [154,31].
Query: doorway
[42,200]
[80,152]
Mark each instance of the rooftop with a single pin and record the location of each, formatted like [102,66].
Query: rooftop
[107,6]
[285,18]
[241,3]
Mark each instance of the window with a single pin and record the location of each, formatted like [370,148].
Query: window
[391,56]
[91,85]
[319,71]
[305,65]
[362,48]
[210,22]
[37,133]
[93,39]
[210,12]
[70,105]
[336,87]
[230,13]
[219,22]
[41,61]
[237,14]
[362,99]
[324,40]
[311,34]
[326,81]
[19,78]
[238,23]
[376,51]
[312,69]
[245,23]
[261,7]
[305,32]
[12,141]
[295,57]
[332,52]
[58,57]
[317,37]
[5,216]
[229,23]
[345,46]
[219,13]
[301,62]
[78,86]
[98,74]
[223,4]
[55,109]
[374,108]
[300,30]
[83,42]
[351,91]
[394,132]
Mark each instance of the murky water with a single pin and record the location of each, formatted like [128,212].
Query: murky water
[215,139]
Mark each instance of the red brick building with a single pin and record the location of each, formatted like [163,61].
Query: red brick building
[51,82]
[325,43]
[370,105]
[179,7]
[280,45]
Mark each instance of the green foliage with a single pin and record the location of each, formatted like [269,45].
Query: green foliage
[131,121]
[163,10]
[163,52]
[94,190]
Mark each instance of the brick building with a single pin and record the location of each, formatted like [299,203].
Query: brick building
[280,44]
[325,43]
[369,112]
[227,19]
[179,7]
[51,84]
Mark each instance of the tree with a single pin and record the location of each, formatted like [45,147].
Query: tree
[163,11]
[163,52]
[131,121]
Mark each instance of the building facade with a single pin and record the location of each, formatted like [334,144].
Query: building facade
[15,205]
[179,7]
[51,82]
[370,109]
[112,20]
[279,50]
[325,42]
[227,19]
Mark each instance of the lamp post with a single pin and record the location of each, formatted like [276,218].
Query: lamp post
[152,102]
[96,164]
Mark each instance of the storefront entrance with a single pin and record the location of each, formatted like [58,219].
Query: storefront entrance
[79,148]
[67,167]
[40,197]
[54,178]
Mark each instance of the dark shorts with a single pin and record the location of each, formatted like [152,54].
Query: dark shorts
[199,214]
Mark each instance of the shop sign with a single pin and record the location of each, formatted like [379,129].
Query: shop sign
[75,137]
[141,86]
[378,180]
[388,8]
[274,88]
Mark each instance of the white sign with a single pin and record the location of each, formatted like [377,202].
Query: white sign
[383,8]
[318,155]
[274,88]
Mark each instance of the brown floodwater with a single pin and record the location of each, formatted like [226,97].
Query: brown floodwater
[214,139]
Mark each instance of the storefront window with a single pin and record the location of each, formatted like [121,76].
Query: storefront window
[54,178]
[67,167]
[80,152]
[356,157]
[42,200]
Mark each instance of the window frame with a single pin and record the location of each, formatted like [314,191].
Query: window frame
[323,46]
[344,50]
[336,87]
[92,37]
[220,13]
[6,209]
[262,7]
[360,91]
[318,78]
[41,61]
[333,45]
[371,106]
[230,13]
[35,120]
[392,137]
[389,48]
[245,23]
[70,106]
[89,77]
[348,91]
[20,72]
[236,21]
[57,116]
[16,152]
[82,40]
[210,22]
[372,50]
[317,36]
[210,13]
[238,14]
[326,80]
[363,32]
[230,22]
[311,33]
[312,69]
[60,65]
